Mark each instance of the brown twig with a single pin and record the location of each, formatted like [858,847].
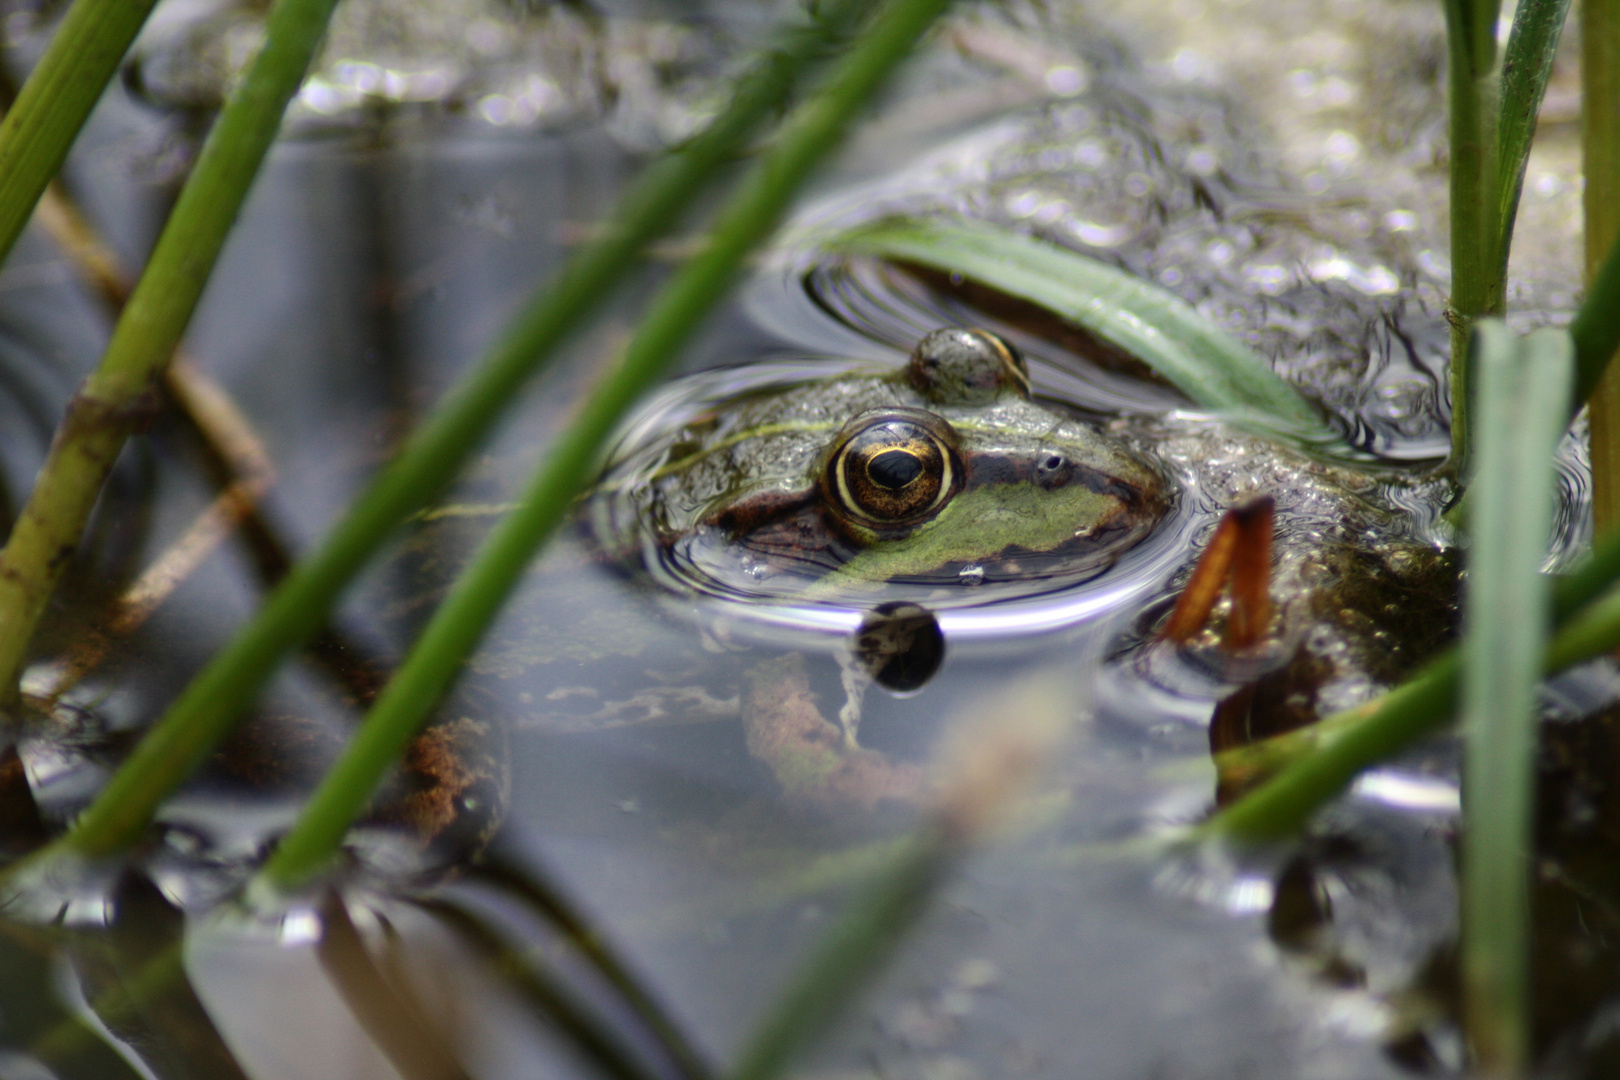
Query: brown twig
[241,466]
[1240,554]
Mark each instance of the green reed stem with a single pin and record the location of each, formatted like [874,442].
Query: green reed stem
[55,101]
[121,391]
[746,221]
[1523,395]
[1471,98]
[1600,154]
[195,723]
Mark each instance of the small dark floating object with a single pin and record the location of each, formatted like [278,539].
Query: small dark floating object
[900,645]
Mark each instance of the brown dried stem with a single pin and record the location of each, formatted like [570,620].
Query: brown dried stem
[1238,554]
[238,457]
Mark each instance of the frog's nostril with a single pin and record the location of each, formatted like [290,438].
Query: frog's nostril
[894,469]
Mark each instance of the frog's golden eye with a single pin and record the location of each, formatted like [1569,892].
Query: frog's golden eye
[892,468]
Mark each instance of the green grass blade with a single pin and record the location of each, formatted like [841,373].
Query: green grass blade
[53,104]
[1523,395]
[1526,66]
[1211,367]
[119,393]
[746,221]
[190,729]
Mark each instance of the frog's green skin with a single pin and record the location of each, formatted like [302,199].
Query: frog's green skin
[1030,492]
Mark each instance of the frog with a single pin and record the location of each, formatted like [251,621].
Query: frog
[924,482]
[942,482]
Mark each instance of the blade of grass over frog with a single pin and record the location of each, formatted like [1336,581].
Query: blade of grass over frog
[1600,203]
[1527,64]
[195,723]
[1218,372]
[1519,414]
[120,391]
[456,627]
[53,104]
[596,1041]
[1471,90]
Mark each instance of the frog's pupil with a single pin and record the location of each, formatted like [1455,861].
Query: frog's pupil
[894,469]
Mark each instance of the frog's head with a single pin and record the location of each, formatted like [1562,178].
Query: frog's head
[942,475]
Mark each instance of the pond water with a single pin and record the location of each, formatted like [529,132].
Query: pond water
[1275,164]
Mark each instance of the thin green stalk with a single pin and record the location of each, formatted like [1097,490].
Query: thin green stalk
[53,104]
[1600,165]
[195,723]
[1348,743]
[1595,330]
[813,130]
[1523,392]
[121,391]
[1471,98]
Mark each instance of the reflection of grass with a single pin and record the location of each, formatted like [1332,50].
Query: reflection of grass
[1492,119]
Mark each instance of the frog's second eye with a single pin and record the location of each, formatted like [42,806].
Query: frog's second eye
[958,366]
[892,469]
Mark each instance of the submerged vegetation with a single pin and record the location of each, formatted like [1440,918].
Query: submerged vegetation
[1512,399]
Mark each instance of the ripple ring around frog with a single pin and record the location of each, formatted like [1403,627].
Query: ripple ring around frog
[734,485]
